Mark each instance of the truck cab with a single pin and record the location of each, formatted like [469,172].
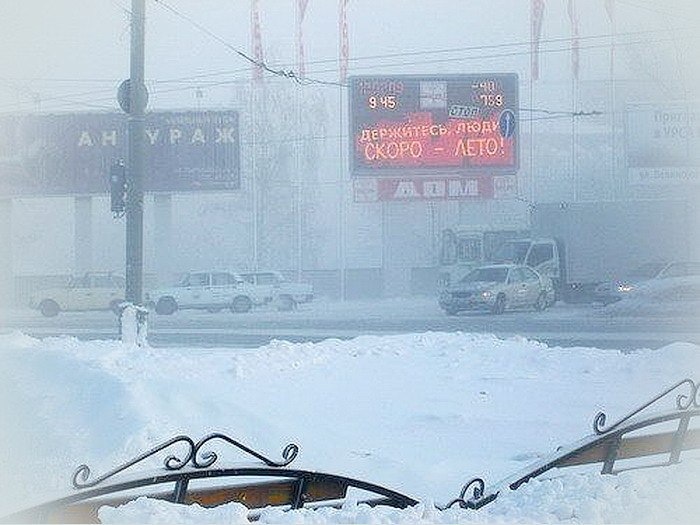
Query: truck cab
[464,248]
[542,254]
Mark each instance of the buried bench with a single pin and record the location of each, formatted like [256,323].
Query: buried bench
[257,486]
[633,437]
[192,477]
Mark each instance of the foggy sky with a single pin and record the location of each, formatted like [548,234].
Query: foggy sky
[66,55]
[70,55]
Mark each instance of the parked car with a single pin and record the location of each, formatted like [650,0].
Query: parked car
[92,291]
[211,291]
[285,294]
[649,273]
[496,288]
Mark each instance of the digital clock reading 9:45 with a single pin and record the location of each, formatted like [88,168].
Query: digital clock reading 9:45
[382,102]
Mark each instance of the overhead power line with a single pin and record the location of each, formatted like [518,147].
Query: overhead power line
[290,74]
[110,98]
[286,73]
[544,41]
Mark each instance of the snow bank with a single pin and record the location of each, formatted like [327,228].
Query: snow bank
[631,497]
[420,413]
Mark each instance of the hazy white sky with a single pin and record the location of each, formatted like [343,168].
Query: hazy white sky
[70,55]
[60,55]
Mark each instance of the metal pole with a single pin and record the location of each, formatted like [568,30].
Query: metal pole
[134,188]
[82,239]
[297,150]
[7,276]
[341,199]
[533,195]
[612,195]
[574,165]
[254,174]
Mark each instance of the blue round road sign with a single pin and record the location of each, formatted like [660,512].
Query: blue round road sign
[506,123]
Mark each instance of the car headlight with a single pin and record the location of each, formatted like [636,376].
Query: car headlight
[625,288]
[486,294]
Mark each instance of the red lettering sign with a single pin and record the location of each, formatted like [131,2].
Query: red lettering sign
[454,124]
[432,188]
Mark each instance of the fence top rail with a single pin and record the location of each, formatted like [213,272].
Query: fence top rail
[637,420]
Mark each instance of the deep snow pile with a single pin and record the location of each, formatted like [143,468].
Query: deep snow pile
[419,413]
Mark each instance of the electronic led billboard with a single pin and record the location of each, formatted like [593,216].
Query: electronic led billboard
[461,124]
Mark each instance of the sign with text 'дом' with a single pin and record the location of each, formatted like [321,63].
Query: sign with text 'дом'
[70,154]
[371,189]
[434,125]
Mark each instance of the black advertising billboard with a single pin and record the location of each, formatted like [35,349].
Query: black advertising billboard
[428,125]
[70,154]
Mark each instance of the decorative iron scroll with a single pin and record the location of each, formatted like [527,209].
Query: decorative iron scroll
[172,462]
[462,500]
[208,458]
[683,402]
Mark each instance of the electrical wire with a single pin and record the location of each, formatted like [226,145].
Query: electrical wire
[290,74]
[110,98]
[285,73]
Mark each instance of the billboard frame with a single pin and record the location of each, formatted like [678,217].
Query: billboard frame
[216,168]
[403,171]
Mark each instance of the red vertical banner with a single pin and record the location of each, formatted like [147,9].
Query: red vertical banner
[301,12]
[344,43]
[536,16]
[256,39]
[610,8]
[573,19]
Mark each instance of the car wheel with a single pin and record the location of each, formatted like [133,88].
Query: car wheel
[166,306]
[241,304]
[49,308]
[541,302]
[115,306]
[500,305]
[286,303]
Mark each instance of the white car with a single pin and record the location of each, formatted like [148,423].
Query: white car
[285,294]
[92,291]
[650,275]
[497,288]
[211,291]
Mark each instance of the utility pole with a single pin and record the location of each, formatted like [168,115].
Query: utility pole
[136,157]
[133,97]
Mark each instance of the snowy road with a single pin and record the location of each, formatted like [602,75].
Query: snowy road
[563,325]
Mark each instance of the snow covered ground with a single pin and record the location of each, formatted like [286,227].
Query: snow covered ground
[419,413]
